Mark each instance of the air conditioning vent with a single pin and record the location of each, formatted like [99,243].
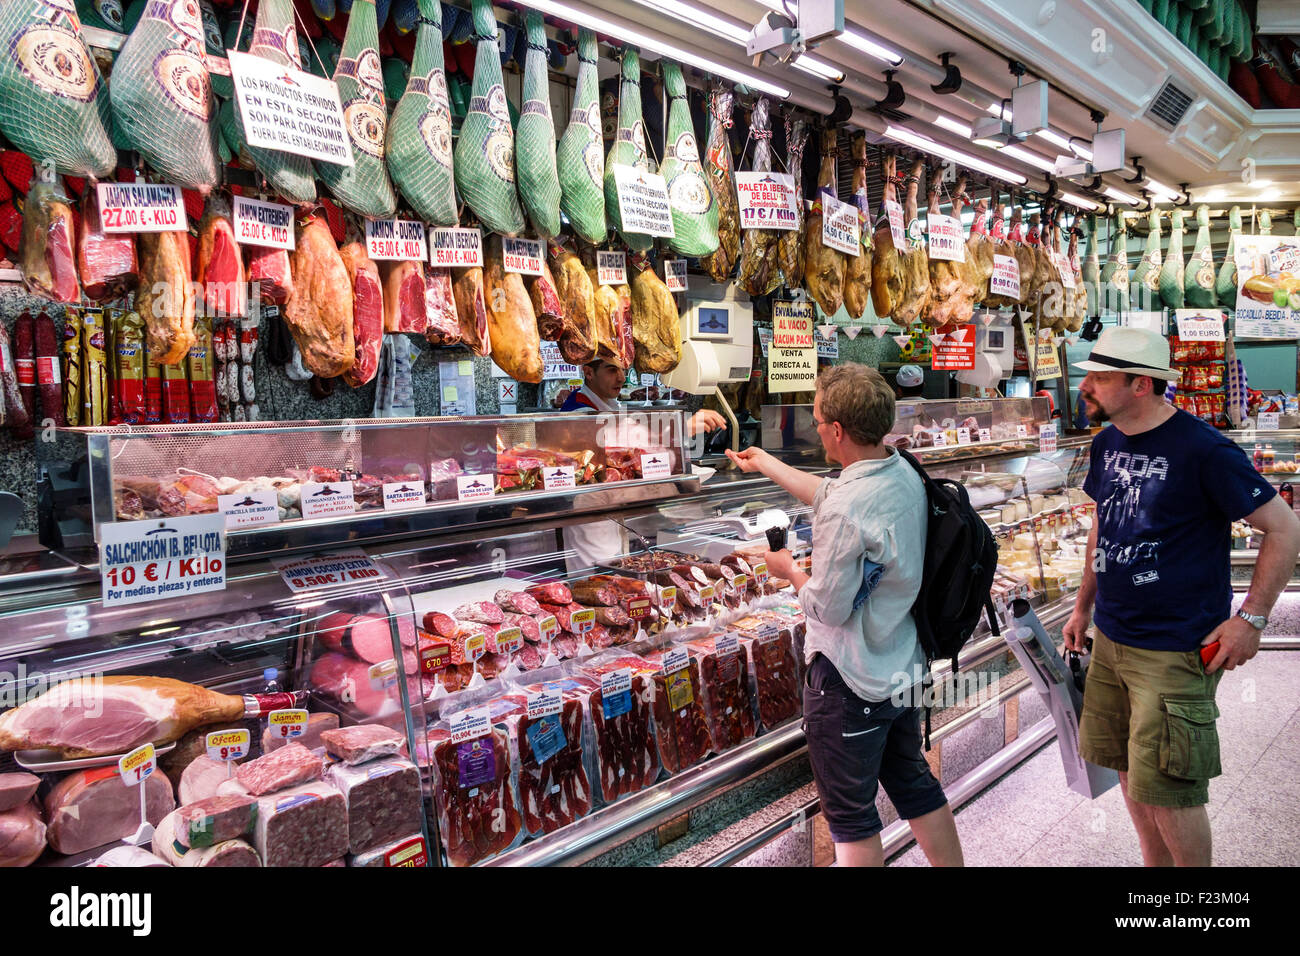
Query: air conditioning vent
[1170,105]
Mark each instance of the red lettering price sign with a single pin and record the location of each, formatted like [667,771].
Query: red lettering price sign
[611,267]
[524,256]
[287,724]
[548,627]
[840,226]
[946,238]
[675,275]
[475,647]
[767,201]
[1006,277]
[668,599]
[137,765]
[456,248]
[760,574]
[897,230]
[259,223]
[322,571]
[142,207]
[150,560]
[227,745]
[396,239]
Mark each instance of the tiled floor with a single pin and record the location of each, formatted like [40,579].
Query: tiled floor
[1030,818]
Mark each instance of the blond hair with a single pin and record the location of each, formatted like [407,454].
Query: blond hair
[859,399]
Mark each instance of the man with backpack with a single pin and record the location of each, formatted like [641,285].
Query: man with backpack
[861,713]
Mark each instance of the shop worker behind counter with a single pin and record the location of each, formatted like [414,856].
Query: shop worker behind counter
[861,719]
[1167,487]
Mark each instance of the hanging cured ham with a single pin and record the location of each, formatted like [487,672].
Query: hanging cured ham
[54,105]
[1146,277]
[721,263]
[886,260]
[655,323]
[367,313]
[760,270]
[485,152]
[628,148]
[581,156]
[979,253]
[915,266]
[857,269]
[790,254]
[418,147]
[1199,278]
[362,187]
[512,324]
[1091,268]
[319,313]
[1114,276]
[539,183]
[1172,272]
[695,213]
[577,333]
[1225,287]
[823,267]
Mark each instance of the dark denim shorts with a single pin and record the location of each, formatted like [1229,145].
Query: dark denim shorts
[857,745]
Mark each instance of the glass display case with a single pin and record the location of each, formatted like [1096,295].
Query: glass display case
[556,684]
[1276,455]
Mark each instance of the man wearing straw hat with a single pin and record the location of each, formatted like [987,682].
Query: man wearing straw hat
[1168,487]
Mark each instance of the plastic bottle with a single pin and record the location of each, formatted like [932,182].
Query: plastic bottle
[1270,458]
[272,685]
[1258,457]
[1286,493]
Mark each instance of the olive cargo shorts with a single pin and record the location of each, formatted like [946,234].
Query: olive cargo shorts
[1151,714]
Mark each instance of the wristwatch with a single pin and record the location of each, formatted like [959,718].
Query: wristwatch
[1257,621]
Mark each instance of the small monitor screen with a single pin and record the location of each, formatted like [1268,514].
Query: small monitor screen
[996,340]
[714,321]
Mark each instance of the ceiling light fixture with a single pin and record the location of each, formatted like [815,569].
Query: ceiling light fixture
[1030,157]
[810,64]
[582,18]
[1079,201]
[952,126]
[1120,196]
[697,17]
[901,134]
[854,38]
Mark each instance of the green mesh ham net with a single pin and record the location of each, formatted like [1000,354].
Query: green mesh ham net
[628,148]
[539,182]
[419,132]
[162,95]
[485,152]
[53,102]
[581,153]
[695,214]
[362,187]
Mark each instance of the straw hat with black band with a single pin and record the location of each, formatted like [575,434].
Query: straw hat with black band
[1136,351]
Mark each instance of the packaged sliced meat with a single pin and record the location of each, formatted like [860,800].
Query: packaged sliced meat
[305,825]
[89,808]
[291,764]
[21,366]
[175,393]
[620,707]
[94,357]
[545,728]
[214,820]
[409,850]
[362,742]
[22,835]
[383,800]
[518,601]
[17,789]
[681,728]
[231,853]
[46,257]
[269,268]
[474,787]
[366,637]
[128,362]
[725,690]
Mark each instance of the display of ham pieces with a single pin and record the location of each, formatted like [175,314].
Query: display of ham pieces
[46,257]
[823,267]
[319,312]
[440,308]
[220,270]
[368,317]
[512,324]
[403,296]
[656,322]
[269,268]
[952,293]
[886,261]
[857,269]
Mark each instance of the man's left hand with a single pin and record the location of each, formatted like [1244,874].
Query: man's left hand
[1238,643]
[779,563]
[705,420]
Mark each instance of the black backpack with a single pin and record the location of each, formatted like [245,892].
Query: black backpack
[961,557]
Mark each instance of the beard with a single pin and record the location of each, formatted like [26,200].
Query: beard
[1096,414]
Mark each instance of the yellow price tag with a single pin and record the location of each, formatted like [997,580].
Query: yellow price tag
[465,367]
[449,393]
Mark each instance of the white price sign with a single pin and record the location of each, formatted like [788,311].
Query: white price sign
[946,241]
[327,499]
[151,560]
[1267,421]
[396,239]
[559,478]
[675,275]
[643,202]
[227,745]
[259,223]
[985,435]
[250,510]
[400,495]
[470,725]
[474,487]
[655,466]
[319,571]
[456,248]
[611,267]
[1006,277]
[675,660]
[940,440]
[293,111]
[287,724]
[727,643]
[1196,325]
[897,231]
[767,201]
[141,207]
[963,436]
[1047,438]
[524,256]
[1065,268]
[136,766]
[840,227]
[544,703]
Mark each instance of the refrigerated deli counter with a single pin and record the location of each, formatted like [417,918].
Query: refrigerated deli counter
[548,671]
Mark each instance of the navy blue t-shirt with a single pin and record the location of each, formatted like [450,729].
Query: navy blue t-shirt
[1166,500]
